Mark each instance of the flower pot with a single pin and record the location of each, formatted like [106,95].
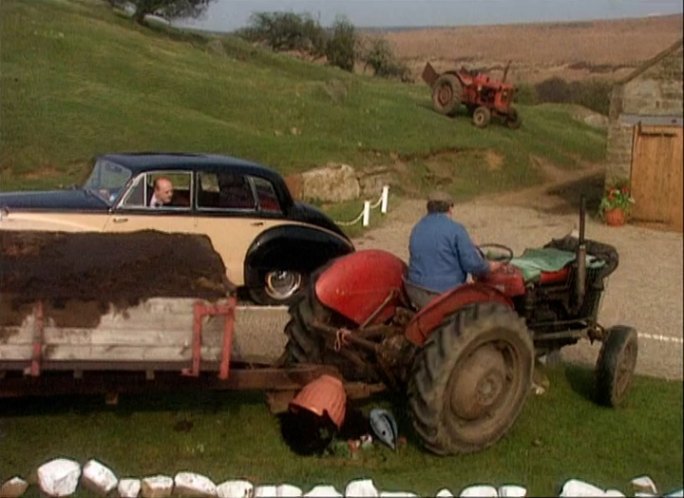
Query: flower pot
[614,217]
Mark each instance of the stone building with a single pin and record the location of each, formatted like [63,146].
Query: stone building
[645,137]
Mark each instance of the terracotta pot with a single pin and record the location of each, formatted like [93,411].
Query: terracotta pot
[614,217]
[324,395]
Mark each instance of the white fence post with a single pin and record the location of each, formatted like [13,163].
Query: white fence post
[384,197]
[366,213]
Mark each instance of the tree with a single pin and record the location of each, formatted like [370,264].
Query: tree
[168,9]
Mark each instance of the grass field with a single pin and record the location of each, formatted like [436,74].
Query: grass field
[560,435]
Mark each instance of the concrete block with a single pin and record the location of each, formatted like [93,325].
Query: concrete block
[98,478]
[238,488]
[193,485]
[13,488]
[158,486]
[59,477]
[128,488]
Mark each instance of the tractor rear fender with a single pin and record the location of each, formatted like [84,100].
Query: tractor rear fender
[365,286]
[427,319]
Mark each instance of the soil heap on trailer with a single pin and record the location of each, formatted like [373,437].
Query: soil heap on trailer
[113,312]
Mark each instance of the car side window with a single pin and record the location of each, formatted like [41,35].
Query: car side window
[266,194]
[224,190]
[174,191]
[135,197]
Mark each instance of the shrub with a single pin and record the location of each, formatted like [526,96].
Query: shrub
[286,31]
[341,46]
[379,56]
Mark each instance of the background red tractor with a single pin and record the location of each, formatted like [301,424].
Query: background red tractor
[465,360]
[482,96]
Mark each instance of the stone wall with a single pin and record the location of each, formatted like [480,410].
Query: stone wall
[654,90]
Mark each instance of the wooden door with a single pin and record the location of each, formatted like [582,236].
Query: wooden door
[657,175]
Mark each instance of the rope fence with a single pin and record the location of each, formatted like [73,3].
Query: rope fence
[364,215]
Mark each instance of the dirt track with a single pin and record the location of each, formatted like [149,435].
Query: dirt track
[645,291]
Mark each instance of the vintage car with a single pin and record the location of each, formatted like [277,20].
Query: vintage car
[269,243]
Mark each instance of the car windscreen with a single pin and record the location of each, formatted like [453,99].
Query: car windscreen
[107,180]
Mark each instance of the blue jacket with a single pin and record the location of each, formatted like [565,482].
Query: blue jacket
[441,254]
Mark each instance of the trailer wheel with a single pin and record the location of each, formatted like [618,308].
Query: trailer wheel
[471,379]
[513,119]
[481,117]
[615,365]
[446,94]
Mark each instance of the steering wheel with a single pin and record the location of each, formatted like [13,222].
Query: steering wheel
[496,252]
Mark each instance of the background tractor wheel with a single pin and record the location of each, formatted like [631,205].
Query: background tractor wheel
[481,117]
[513,120]
[471,379]
[615,365]
[446,94]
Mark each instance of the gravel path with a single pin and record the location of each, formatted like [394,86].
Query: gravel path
[645,291]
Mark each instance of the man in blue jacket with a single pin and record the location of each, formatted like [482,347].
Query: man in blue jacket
[441,254]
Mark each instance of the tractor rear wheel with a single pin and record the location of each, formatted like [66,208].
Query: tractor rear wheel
[481,117]
[615,365]
[513,119]
[471,379]
[446,94]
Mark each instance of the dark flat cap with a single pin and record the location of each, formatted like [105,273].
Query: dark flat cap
[440,196]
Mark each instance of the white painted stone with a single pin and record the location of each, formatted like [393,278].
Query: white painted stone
[323,491]
[158,486]
[675,494]
[13,488]
[512,491]
[613,493]
[98,478]
[193,485]
[288,490]
[128,488]
[396,494]
[265,491]
[644,484]
[444,493]
[361,488]
[641,494]
[238,488]
[479,491]
[59,477]
[579,489]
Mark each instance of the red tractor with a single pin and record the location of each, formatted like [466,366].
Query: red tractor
[466,360]
[482,96]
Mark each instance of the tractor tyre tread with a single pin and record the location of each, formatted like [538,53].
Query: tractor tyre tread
[615,365]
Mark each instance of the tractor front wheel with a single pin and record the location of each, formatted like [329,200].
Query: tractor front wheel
[471,379]
[481,117]
[446,94]
[513,119]
[615,365]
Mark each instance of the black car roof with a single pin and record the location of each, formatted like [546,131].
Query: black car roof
[139,162]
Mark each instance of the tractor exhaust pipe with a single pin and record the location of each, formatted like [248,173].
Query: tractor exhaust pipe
[581,258]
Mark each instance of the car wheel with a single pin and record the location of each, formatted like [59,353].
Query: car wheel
[279,287]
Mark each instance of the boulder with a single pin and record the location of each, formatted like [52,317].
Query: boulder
[644,484]
[13,488]
[331,183]
[479,491]
[579,489]
[361,488]
[128,488]
[288,490]
[323,491]
[235,489]
[158,486]
[193,485]
[444,493]
[512,491]
[59,477]
[98,478]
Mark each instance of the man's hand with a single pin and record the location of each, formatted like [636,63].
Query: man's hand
[495,265]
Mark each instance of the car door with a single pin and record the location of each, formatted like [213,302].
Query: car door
[134,212]
[233,209]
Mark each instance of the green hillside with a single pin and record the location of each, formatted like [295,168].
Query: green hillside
[78,79]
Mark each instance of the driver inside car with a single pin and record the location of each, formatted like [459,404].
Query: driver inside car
[441,253]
